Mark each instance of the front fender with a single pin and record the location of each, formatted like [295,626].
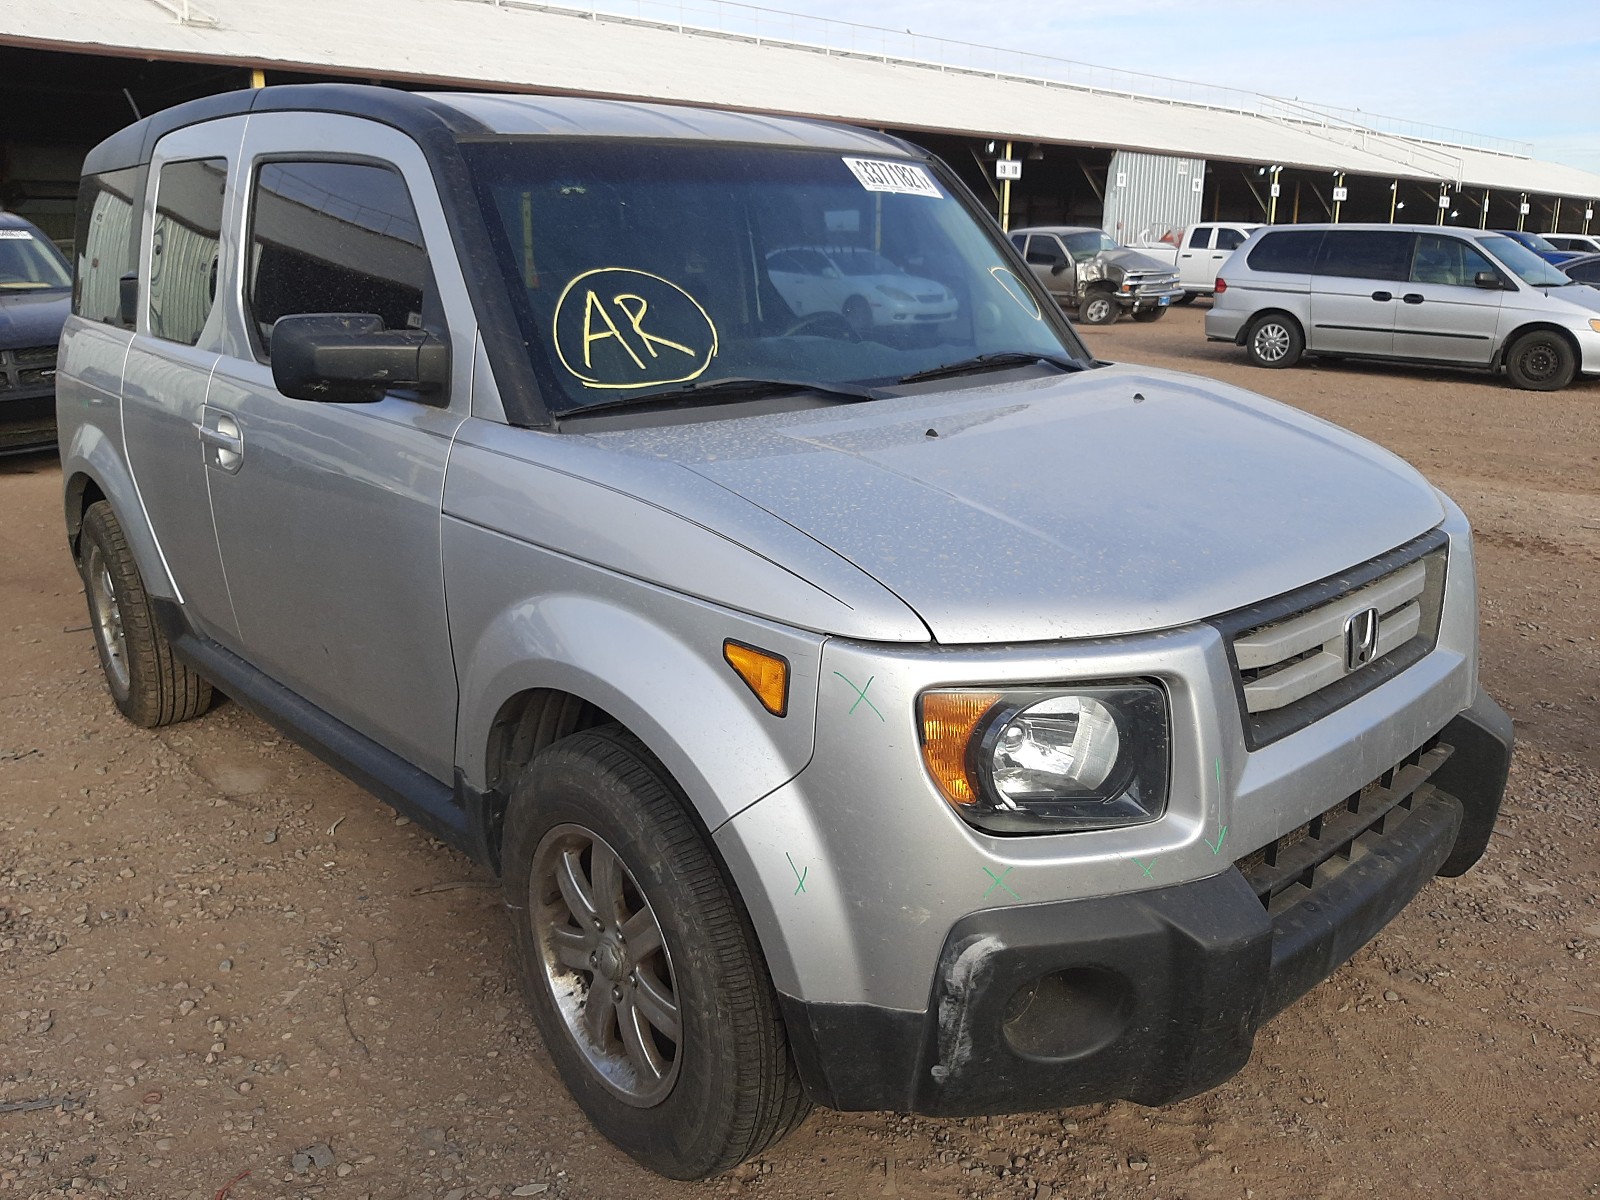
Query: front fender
[522,617]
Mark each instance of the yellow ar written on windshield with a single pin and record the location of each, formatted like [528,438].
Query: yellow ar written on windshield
[616,327]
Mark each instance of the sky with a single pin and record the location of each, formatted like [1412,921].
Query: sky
[1531,73]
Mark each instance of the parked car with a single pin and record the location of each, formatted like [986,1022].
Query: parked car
[1584,269]
[947,728]
[35,295]
[858,285]
[1416,293]
[1578,243]
[1086,270]
[1538,244]
[1199,254]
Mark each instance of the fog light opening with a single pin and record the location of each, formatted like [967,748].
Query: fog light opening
[1067,1014]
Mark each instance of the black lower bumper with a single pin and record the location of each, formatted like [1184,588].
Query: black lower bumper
[1157,995]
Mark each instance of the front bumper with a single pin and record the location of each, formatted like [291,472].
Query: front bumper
[1157,995]
[1150,298]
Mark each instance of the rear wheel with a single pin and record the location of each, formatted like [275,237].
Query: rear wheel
[640,964]
[148,683]
[1149,314]
[1541,361]
[1275,340]
[1098,308]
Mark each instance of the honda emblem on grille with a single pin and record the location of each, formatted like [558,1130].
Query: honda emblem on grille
[1360,639]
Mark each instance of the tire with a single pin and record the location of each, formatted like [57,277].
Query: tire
[1187,298]
[1541,361]
[1275,341]
[1149,314]
[1098,308]
[725,1087]
[148,683]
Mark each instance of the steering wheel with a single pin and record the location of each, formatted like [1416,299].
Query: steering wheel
[823,324]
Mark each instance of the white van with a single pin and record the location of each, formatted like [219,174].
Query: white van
[1418,293]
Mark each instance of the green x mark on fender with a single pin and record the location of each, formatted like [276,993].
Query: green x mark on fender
[861,694]
[1144,867]
[999,882]
[799,874]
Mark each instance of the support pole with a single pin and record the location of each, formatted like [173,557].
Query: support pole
[1005,199]
[258,78]
[1522,217]
[1394,198]
[1483,220]
[1338,182]
[1555,221]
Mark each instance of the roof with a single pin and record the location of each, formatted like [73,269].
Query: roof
[551,50]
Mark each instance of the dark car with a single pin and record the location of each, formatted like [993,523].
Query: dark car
[35,296]
[1539,246]
[1585,268]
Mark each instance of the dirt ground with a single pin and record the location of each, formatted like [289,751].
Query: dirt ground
[219,957]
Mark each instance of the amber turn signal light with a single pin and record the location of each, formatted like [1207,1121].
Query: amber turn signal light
[764,673]
[948,719]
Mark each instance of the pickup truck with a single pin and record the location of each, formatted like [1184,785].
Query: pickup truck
[1088,270]
[1199,254]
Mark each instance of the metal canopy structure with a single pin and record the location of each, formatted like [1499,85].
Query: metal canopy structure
[508,44]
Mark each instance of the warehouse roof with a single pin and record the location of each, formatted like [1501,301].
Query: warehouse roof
[550,49]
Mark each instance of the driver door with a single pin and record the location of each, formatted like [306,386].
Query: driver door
[1045,252]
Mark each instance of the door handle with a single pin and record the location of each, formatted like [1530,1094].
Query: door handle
[221,434]
[1412,297]
[223,439]
[1383,295]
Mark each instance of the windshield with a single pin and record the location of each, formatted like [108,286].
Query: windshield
[28,262]
[1084,246]
[1524,263]
[639,268]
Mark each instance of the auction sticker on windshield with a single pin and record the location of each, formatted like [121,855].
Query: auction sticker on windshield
[16,235]
[877,175]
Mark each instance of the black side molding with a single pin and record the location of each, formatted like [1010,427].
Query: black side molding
[433,805]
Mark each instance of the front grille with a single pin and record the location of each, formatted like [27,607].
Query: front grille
[30,368]
[1155,283]
[1289,869]
[1294,659]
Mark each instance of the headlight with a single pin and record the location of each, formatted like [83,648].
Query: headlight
[895,293]
[1595,325]
[1049,760]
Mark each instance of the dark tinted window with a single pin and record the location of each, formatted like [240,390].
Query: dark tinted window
[104,244]
[1588,272]
[1366,254]
[329,237]
[1200,238]
[1293,251]
[1229,239]
[1447,260]
[183,247]
[1043,251]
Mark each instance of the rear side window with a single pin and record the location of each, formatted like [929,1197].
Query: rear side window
[1229,239]
[1366,254]
[1292,252]
[333,237]
[184,239]
[104,244]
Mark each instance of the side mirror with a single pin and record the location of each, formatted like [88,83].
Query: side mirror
[128,299]
[350,358]
[1489,280]
[1058,264]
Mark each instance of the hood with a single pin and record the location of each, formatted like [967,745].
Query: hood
[1132,260]
[1115,501]
[32,318]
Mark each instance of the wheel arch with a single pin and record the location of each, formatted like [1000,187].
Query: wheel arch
[1536,326]
[93,469]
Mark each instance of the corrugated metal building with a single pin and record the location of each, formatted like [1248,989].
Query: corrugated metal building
[877,79]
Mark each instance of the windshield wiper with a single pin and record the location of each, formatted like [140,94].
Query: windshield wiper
[991,362]
[737,387]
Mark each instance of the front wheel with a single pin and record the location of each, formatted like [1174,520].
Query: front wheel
[1275,340]
[641,966]
[1541,361]
[1149,314]
[1098,308]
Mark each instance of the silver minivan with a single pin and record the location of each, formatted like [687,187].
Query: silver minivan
[1415,293]
[939,724]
